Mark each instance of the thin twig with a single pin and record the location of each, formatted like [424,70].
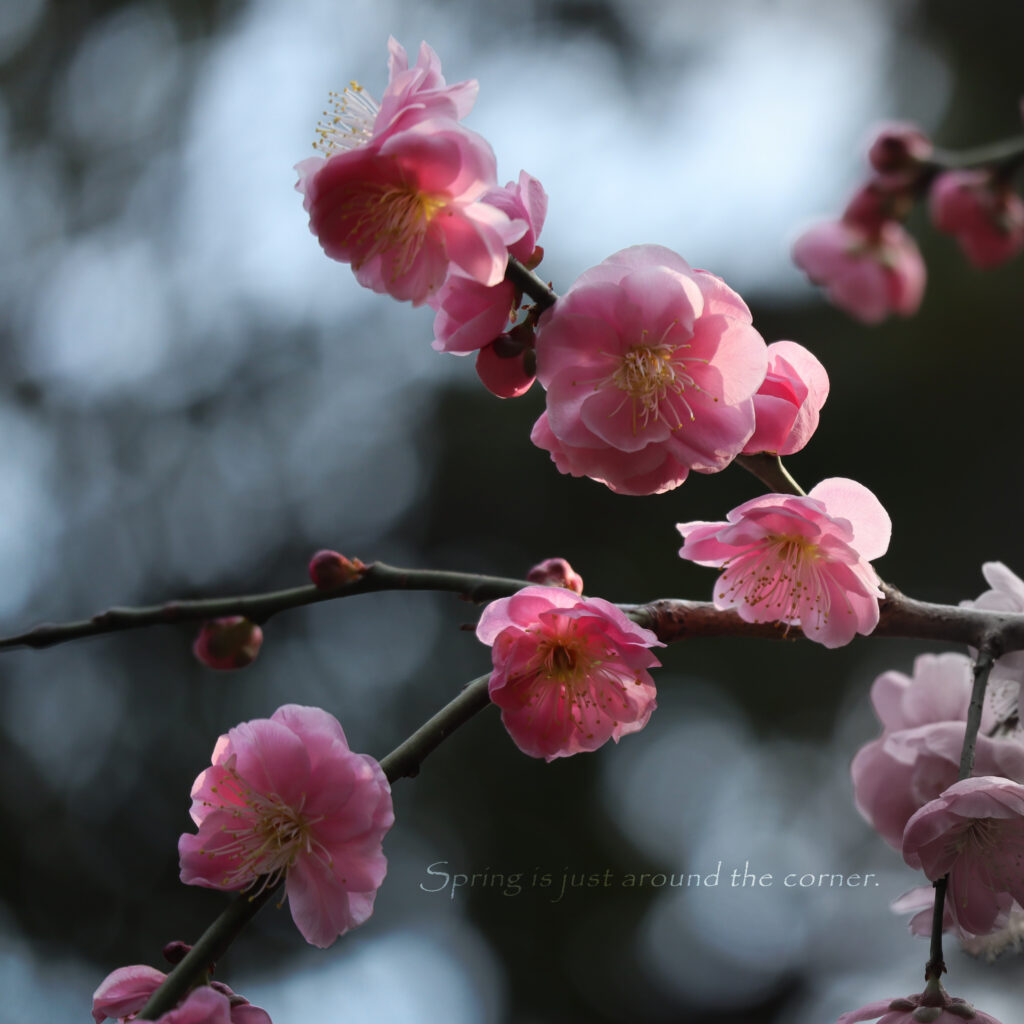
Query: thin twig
[403,762]
[771,472]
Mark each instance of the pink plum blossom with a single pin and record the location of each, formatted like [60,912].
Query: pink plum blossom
[974,832]
[285,798]
[650,369]
[570,672]
[125,991]
[403,207]
[788,402]
[986,217]
[799,560]
[932,1006]
[1006,935]
[471,315]
[867,273]
[918,754]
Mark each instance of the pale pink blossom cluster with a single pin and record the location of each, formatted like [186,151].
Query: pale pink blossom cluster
[570,672]
[286,800]
[907,785]
[866,261]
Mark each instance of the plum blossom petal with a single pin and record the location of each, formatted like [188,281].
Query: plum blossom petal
[285,798]
[798,560]
[650,368]
[974,832]
[570,672]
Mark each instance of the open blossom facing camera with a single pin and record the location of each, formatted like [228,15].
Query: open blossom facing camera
[799,560]
[286,799]
[397,190]
[974,832]
[570,672]
[650,369]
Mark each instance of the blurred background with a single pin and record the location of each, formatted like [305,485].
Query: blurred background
[193,399]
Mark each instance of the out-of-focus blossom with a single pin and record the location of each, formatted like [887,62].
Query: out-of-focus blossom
[802,561]
[869,274]
[788,402]
[228,643]
[974,832]
[556,572]
[898,147]
[286,799]
[329,569]
[125,991]
[985,216]
[471,315]
[918,754]
[650,369]
[570,673]
[932,1006]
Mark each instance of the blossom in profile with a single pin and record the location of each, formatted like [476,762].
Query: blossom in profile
[124,992]
[788,402]
[923,719]
[932,1006]
[470,315]
[227,643]
[397,186]
[650,369]
[868,272]
[570,672]
[285,799]
[802,561]
[984,215]
[974,832]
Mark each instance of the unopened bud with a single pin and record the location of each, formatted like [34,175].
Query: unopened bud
[556,572]
[175,952]
[899,147]
[231,642]
[328,569]
[506,376]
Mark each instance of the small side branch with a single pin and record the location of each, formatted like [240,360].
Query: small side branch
[403,762]
[530,284]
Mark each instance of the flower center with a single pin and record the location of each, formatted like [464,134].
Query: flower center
[348,121]
[782,573]
[268,836]
[390,219]
[654,378]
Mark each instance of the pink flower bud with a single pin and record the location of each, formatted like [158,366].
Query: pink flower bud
[898,147]
[328,569]
[506,376]
[176,951]
[984,216]
[556,572]
[231,642]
